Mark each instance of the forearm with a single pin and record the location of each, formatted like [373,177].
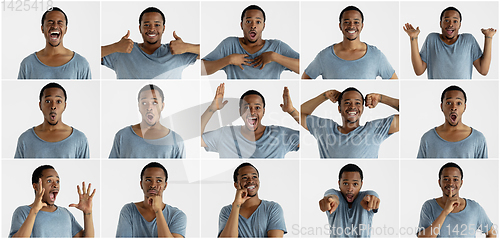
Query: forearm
[485,60]
[288,62]
[434,229]
[161,223]
[392,102]
[210,67]
[206,116]
[107,50]
[419,65]
[295,114]
[27,227]
[308,107]
[88,225]
[231,228]
[194,48]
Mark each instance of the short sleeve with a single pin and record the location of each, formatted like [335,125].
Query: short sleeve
[381,127]
[178,223]
[314,69]
[476,52]
[84,150]
[276,219]
[338,194]
[115,150]
[189,58]
[211,139]
[75,226]
[219,52]
[86,72]
[422,150]
[18,218]
[317,125]
[20,148]
[423,51]
[292,139]
[425,217]
[385,69]
[124,228]
[109,61]
[482,148]
[22,71]
[286,50]
[223,217]
[484,222]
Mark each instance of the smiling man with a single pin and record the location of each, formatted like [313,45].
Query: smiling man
[52,138]
[350,208]
[149,138]
[349,140]
[54,61]
[450,215]
[450,55]
[453,139]
[351,58]
[248,215]
[251,140]
[251,57]
[151,217]
[43,218]
[150,59]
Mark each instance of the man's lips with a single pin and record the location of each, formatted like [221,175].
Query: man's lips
[152,34]
[252,34]
[53,194]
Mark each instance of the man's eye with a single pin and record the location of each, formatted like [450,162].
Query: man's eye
[247,21]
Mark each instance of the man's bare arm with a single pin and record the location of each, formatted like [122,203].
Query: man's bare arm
[492,233]
[419,65]
[374,98]
[27,227]
[308,107]
[210,67]
[394,76]
[275,233]
[270,56]
[125,45]
[305,76]
[482,64]
[217,104]
[178,46]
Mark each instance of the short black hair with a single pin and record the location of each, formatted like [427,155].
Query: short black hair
[236,171]
[252,7]
[253,92]
[351,168]
[53,85]
[453,87]
[37,174]
[54,9]
[448,9]
[151,87]
[451,165]
[349,8]
[155,165]
[151,9]
[347,90]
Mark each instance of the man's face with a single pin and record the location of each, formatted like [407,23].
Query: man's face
[351,24]
[54,27]
[253,25]
[52,105]
[153,182]
[453,106]
[150,106]
[151,27]
[50,181]
[450,23]
[450,181]
[248,179]
[350,183]
[351,106]
[252,111]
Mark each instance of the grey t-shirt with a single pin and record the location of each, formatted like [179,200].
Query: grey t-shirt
[344,219]
[231,45]
[60,223]
[76,68]
[128,144]
[268,216]
[363,142]
[140,65]
[450,61]
[460,224]
[29,145]
[230,143]
[133,224]
[433,146]
[330,66]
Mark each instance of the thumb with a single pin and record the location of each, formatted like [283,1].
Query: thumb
[73,205]
[281,105]
[127,35]
[176,37]
[418,28]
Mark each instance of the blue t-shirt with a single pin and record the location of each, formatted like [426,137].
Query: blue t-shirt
[344,219]
[231,45]
[433,146]
[450,61]
[29,145]
[268,216]
[59,223]
[128,144]
[460,224]
[140,65]
[362,142]
[230,143]
[76,68]
[133,224]
[330,66]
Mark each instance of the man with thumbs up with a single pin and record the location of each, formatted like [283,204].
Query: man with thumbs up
[350,211]
[150,59]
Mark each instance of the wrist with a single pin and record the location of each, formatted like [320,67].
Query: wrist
[87,213]
[292,111]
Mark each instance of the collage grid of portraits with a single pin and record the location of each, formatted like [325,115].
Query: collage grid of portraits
[201,184]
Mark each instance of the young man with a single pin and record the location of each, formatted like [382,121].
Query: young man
[150,59]
[52,138]
[252,140]
[54,61]
[152,217]
[349,140]
[453,139]
[451,215]
[43,218]
[450,55]
[149,138]
[350,208]
[248,215]
[351,58]
[251,57]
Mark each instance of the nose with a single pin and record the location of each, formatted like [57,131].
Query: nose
[53,105]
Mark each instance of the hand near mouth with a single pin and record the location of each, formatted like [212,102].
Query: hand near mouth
[38,203]
[412,32]
[156,202]
[125,45]
[371,100]
[452,202]
[264,59]
[490,32]
[85,203]
[239,60]
[241,195]
[370,202]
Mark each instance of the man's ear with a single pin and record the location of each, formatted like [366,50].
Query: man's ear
[465,106]
[339,108]
[241,25]
[264,26]
[42,29]
[361,185]
[140,183]
[162,106]
[40,105]
[35,186]
[441,106]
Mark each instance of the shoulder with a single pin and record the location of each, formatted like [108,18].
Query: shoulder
[473,204]
[226,209]
[429,134]
[174,211]
[230,40]
[176,135]
[467,36]
[332,191]
[281,128]
[22,210]
[64,211]
[78,134]
[477,134]
[80,58]
[271,205]
[327,50]
[372,48]
[429,203]
[31,57]
[377,122]
[26,134]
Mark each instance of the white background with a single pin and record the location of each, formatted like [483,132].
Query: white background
[181,17]
[320,28]
[220,20]
[475,14]
[421,111]
[22,34]
[16,179]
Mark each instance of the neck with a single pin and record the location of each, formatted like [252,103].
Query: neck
[50,50]
[150,48]
[448,41]
[45,126]
[447,127]
[146,205]
[255,134]
[259,42]
[351,45]
[348,126]
[251,202]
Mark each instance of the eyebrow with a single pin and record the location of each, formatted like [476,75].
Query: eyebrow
[55,96]
[252,103]
[152,177]
[452,98]
[255,17]
[247,174]
[351,99]
[153,21]
[154,98]
[350,19]
[52,176]
[355,180]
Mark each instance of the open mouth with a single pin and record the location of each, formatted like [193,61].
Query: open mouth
[53,195]
[253,34]
[453,117]
[54,35]
[151,35]
[351,31]
[252,121]
[52,116]
[450,31]
[349,197]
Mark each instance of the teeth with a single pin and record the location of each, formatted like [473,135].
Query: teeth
[251,187]
[351,32]
[352,113]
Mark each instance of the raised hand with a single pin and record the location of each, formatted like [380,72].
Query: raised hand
[125,45]
[218,103]
[241,195]
[370,202]
[371,100]
[262,60]
[490,32]
[38,203]
[287,105]
[177,46]
[85,199]
[452,202]
[329,203]
[239,60]
[412,32]
[332,95]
